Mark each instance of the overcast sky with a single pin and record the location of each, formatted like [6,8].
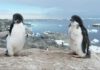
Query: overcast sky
[60,9]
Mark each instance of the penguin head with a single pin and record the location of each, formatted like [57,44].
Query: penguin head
[17,18]
[76,18]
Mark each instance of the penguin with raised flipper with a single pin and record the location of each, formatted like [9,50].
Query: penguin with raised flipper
[16,36]
[78,37]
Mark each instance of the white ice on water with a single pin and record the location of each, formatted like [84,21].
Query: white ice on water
[92,30]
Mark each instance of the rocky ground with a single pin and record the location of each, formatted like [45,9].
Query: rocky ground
[51,59]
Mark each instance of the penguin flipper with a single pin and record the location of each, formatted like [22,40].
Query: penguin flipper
[86,43]
[11,26]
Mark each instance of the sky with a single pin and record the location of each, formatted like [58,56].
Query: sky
[49,9]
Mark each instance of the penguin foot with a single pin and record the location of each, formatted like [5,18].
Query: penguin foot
[87,56]
[76,56]
[6,53]
[84,57]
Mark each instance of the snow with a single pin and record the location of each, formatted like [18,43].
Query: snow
[60,42]
[95,49]
[37,34]
[94,41]
[66,44]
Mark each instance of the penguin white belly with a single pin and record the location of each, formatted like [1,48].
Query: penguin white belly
[16,41]
[75,40]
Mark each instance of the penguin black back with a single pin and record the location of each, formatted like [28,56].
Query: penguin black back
[86,41]
[17,18]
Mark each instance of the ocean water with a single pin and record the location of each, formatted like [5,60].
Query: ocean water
[43,25]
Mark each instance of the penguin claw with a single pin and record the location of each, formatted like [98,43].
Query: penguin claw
[85,57]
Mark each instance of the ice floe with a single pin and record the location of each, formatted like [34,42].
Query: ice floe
[96,25]
[92,30]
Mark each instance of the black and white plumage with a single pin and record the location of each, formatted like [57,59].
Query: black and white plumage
[78,37]
[16,36]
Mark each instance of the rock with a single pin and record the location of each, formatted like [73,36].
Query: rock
[53,59]
[3,34]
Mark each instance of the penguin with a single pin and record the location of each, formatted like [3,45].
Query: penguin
[16,37]
[78,37]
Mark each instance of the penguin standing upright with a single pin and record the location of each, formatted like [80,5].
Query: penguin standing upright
[16,36]
[78,37]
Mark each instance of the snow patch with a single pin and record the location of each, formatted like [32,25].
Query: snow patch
[61,42]
[95,49]
[94,41]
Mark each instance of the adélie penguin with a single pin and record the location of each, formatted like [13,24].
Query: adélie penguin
[78,37]
[16,36]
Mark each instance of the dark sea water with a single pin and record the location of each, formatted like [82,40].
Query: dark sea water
[42,25]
